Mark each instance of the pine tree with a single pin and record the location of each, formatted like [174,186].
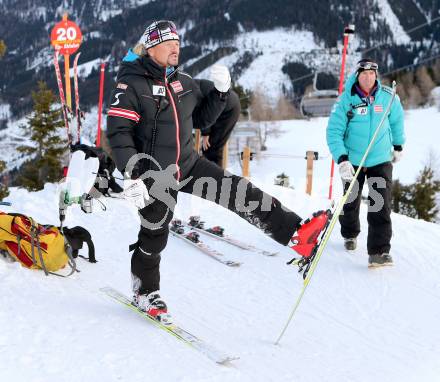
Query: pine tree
[3,188]
[4,192]
[401,199]
[2,48]
[417,200]
[48,148]
[424,82]
[245,99]
[424,195]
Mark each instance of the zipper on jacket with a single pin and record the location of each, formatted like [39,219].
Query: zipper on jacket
[176,119]
[371,122]
[153,144]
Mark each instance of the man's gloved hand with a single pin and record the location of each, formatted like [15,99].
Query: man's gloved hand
[346,171]
[136,192]
[397,154]
[221,78]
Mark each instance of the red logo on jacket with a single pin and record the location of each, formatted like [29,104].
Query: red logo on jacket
[378,108]
[177,86]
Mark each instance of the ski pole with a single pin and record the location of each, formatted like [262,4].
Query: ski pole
[335,216]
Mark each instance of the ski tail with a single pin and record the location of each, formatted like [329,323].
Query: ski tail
[64,107]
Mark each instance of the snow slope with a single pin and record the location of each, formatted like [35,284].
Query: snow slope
[275,47]
[400,36]
[354,324]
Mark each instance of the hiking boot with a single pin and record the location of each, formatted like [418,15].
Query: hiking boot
[154,306]
[306,236]
[379,260]
[350,244]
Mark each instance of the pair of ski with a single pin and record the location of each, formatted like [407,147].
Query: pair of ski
[190,233]
[175,330]
[67,112]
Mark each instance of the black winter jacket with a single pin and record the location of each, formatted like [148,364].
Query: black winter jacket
[233,102]
[154,114]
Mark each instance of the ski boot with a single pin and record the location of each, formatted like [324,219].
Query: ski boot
[153,305]
[306,239]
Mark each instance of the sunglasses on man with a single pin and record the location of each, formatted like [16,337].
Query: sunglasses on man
[162,26]
[367,65]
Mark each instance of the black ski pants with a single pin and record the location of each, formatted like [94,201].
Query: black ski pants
[210,182]
[222,129]
[379,179]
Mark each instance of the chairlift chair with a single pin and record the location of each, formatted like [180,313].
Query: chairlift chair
[318,103]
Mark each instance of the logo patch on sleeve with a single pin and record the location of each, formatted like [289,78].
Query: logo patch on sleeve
[117,95]
[177,86]
[122,86]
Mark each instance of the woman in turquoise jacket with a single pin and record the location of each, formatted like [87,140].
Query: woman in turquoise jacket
[352,123]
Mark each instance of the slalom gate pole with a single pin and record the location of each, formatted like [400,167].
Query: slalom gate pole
[347,32]
[76,90]
[101,95]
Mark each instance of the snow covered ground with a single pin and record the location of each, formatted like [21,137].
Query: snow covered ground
[354,325]
[299,136]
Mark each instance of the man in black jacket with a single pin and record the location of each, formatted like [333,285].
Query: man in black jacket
[215,137]
[153,109]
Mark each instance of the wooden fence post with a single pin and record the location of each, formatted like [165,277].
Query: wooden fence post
[246,161]
[225,155]
[197,141]
[310,156]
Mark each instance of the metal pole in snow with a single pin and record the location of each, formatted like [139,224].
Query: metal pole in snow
[347,32]
[101,95]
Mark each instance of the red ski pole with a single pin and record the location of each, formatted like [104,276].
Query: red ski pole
[101,95]
[347,32]
[77,107]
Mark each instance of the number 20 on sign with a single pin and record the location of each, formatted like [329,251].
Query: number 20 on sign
[66,37]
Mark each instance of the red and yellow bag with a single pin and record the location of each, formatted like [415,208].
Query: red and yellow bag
[34,245]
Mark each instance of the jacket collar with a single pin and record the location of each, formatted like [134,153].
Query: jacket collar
[369,97]
[145,66]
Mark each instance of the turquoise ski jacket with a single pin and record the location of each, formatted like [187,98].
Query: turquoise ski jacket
[354,120]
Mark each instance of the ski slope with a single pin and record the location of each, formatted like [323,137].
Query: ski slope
[355,324]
